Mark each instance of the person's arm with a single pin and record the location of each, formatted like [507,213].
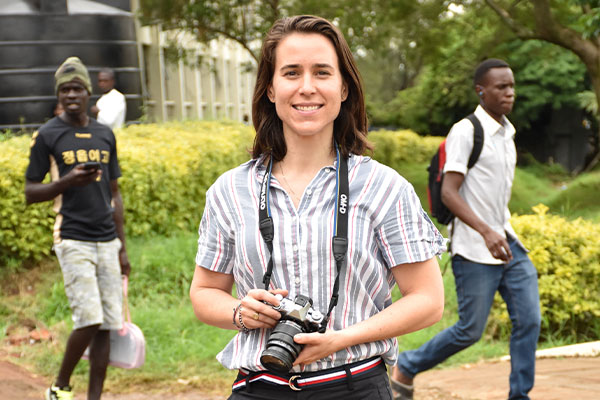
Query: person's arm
[117,201]
[421,305]
[36,192]
[210,293]
[495,242]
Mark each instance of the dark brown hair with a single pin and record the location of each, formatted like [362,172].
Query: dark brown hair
[350,126]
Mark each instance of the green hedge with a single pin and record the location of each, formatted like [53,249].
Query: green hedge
[168,167]
[166,171]
[25,231]
[567,257]
[395,148]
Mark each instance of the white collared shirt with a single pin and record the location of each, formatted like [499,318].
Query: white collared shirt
[112,108]
[487,186]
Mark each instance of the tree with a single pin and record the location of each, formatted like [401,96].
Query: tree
[549,78]
[572,24]
[243,21]
[396,36]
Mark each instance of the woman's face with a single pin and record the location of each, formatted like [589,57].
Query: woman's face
[307,86]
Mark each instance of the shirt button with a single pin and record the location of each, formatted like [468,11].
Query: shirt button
[309,192]
[297,280]
[295,247]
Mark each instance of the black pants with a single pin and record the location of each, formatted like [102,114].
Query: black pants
[372,386]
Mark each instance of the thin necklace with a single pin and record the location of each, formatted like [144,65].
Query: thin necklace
[287,183]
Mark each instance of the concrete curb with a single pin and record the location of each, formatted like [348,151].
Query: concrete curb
[589,349]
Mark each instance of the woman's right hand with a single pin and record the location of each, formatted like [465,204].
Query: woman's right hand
[257,311]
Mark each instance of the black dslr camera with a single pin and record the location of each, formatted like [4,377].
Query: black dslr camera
[297,316]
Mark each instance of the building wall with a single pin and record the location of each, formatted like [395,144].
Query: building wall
[213,81]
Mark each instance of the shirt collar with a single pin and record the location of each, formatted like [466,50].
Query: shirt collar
[260,165]
[492,126]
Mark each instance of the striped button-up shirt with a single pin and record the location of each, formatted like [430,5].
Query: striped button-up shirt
[386,227]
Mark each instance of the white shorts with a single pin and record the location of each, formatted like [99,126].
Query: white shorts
[92,277]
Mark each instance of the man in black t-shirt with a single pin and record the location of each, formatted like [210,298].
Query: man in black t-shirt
[89,240]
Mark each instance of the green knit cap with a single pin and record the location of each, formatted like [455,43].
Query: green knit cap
[72,69]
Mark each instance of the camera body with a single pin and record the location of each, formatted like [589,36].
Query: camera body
[297,316]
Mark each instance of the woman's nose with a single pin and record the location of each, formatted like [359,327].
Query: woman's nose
[308,85]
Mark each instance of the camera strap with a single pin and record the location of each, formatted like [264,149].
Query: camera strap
[339,241]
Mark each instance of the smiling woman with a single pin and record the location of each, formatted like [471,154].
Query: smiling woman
[307,88]
[314,234]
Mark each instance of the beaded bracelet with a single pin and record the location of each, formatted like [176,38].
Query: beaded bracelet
[235,310]
[241,327]
[244,327]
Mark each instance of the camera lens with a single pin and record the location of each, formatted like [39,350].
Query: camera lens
[281,349]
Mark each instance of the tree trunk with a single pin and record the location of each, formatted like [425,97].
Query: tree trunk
[548,29]
[596,146]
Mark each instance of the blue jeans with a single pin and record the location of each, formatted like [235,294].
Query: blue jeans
[476,285]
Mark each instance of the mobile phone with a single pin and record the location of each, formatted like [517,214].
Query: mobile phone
[91,165]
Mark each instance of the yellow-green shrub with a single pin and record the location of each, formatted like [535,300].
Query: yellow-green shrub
[166,170]
[567,257]
[396,147]
[168,167]
[25,231]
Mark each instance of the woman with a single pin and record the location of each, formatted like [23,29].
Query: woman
[309,114]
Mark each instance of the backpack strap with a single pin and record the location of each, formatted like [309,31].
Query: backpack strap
[475,153]
[477,140]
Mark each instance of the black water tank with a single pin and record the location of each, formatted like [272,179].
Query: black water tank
[36,36]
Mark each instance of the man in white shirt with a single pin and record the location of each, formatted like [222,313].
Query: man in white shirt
[487,256]
[110,108]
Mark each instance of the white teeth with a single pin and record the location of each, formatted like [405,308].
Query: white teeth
[307,108]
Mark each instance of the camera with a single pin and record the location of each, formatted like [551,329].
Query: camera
[297,316]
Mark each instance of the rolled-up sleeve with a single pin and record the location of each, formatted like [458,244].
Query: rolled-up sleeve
[458,147]
[215,245]
[407,235]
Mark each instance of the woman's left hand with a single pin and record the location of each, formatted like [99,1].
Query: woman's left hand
[318,345]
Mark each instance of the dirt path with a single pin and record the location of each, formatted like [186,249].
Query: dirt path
[567,378]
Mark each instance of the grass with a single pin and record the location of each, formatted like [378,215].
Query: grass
[535,183]
[180,350]
[579,198]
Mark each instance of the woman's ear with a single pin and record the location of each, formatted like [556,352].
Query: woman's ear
[344,92]
[270,94]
